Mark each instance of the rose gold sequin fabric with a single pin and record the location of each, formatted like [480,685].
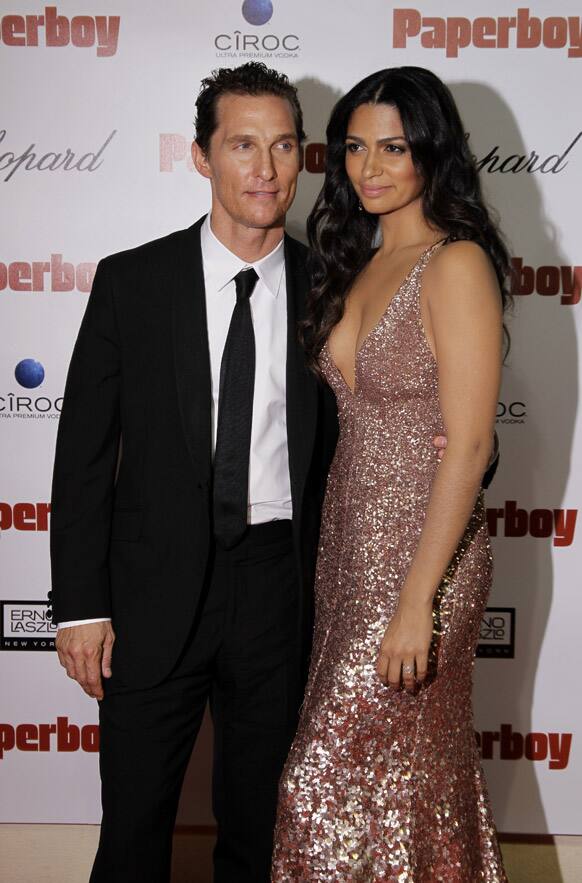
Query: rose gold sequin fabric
[382,785]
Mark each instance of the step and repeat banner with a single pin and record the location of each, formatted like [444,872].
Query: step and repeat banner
[95,128]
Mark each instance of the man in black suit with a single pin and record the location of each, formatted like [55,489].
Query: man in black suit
[191,459]
[154,485]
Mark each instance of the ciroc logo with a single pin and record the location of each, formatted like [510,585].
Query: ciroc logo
[257,12]
[30,374]
[511,412]
[256,46]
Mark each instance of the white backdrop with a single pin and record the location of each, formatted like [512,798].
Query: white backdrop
[96,120]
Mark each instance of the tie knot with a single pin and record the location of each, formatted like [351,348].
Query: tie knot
[245,282]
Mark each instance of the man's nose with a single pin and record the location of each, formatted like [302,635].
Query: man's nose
[266,167]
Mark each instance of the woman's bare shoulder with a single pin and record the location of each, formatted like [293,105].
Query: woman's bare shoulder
[460,265]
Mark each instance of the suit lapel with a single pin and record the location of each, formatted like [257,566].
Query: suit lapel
[301,385]
[191,355]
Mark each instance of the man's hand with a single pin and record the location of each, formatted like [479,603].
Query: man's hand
[85,652]
[440,443]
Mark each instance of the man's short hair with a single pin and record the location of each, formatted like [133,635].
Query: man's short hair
[252,78]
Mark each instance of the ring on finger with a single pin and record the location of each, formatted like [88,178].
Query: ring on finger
[408,669]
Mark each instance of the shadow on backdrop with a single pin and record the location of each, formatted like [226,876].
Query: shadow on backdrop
[317,100]
[542,373]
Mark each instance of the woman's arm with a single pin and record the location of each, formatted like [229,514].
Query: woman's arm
[463,319]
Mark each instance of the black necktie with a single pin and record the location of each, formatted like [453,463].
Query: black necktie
[235,417]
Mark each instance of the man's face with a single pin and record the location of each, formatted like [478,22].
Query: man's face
[253,160]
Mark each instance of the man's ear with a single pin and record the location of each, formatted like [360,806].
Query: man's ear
[200,160]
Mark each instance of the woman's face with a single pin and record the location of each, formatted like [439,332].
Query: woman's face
[378,160]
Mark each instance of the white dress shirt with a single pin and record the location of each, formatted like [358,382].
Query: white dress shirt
[269,481]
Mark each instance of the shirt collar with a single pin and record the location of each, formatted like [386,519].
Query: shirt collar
[221,265]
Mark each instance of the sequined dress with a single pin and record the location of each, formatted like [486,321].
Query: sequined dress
[382,785]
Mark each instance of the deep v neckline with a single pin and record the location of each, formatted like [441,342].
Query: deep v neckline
[375,327]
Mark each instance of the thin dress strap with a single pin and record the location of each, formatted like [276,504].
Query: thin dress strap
[420,268]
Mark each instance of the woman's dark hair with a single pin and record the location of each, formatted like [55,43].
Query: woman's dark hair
[341,237]
[253,78]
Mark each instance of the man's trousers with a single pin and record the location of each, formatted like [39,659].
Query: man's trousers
[243,658]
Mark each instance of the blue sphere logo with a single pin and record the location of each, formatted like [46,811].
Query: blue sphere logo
[29,373]
[257,12]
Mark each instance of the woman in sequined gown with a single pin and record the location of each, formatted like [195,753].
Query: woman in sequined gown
[383,781]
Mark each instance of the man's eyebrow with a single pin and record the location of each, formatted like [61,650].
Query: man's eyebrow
[286,136]
[240,138]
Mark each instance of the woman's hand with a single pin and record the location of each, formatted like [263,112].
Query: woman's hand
[405,646]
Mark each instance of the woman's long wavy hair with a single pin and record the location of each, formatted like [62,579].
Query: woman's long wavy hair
[342,237]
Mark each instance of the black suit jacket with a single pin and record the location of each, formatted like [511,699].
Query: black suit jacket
[131,500]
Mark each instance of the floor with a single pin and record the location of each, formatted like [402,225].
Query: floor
[63,854]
